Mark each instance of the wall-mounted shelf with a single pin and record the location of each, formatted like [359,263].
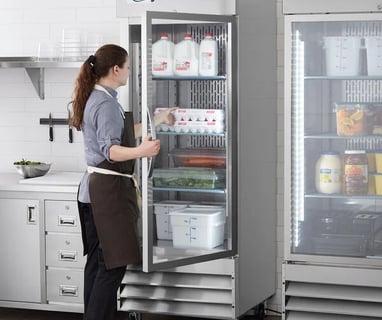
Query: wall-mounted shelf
[35,69]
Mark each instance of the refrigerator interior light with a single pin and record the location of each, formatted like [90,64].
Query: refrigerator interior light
[298,127]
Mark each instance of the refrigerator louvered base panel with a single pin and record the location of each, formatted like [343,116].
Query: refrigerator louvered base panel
[202,310]
[201,295]
[335,307]
[174,293]
[294,315]
[332,292]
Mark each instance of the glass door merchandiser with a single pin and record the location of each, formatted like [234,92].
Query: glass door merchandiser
[193,172]
[208,245]
[333,172]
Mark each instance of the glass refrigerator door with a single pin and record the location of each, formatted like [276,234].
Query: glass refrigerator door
[189,200]
[334,112]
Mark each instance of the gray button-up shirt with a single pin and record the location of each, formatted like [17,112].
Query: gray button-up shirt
[102,127]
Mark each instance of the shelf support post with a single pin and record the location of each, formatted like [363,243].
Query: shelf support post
[37,77]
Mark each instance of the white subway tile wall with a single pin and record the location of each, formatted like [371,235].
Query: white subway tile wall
[25,23]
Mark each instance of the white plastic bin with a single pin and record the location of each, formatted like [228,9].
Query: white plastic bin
[374,55]
[162,217]
[342,55]
[198,227]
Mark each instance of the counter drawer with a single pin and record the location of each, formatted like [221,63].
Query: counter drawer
[62,216]
[64,250]
[65,286]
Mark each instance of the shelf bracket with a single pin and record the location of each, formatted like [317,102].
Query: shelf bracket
[37,77]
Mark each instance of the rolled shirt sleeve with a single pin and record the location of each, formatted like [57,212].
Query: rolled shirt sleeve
[109,128]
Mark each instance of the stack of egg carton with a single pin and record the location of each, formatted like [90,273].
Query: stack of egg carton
[187,120]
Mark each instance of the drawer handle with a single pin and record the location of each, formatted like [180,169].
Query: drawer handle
[69,291]
[68,255]
[31,214]
[66,221]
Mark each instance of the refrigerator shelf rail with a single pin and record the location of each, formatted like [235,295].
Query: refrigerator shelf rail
[221,191]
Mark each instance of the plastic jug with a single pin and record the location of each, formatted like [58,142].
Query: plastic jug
[186,55]
[163,56]
[208,56]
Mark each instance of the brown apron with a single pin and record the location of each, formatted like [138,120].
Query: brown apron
[114,204]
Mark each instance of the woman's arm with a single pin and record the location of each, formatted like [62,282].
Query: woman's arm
[138,130]
[165,116]
[148,148]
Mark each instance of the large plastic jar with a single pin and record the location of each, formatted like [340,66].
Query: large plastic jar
[208,56]
[328,173]
[163,56]
[355,172]
[186,54]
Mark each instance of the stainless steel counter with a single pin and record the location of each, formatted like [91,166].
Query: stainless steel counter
[55,181]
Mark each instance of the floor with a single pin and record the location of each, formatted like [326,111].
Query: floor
[20,314]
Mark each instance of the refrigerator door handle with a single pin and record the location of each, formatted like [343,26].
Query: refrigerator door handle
[151,160]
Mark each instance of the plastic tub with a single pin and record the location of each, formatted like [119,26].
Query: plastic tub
[342,55]
[162,210]
[211,158]
[195,178]
[198,227]
[374,55]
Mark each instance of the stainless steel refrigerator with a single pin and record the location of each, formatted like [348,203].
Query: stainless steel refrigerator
[225,265]
[333,207]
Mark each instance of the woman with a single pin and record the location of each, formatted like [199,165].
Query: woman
[107,197]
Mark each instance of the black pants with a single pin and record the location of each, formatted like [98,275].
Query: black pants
[100,285]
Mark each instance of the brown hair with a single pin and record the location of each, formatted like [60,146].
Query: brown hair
[94,68]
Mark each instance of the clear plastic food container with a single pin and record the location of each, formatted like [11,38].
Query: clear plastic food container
[210,158]
[195,178]
[351,119]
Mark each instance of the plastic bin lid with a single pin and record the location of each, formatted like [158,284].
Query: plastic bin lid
[197,212]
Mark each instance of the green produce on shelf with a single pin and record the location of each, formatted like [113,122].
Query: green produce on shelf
[188,183]
[196,178]
[24,162]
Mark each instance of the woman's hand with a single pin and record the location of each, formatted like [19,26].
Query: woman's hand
[148,147]
[165,116]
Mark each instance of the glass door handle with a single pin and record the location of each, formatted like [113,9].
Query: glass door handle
[151,160]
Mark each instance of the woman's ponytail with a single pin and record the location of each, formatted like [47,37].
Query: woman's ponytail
[84,85]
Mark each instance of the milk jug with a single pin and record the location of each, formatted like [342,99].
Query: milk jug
[186,57]
[208,56]
[163,56]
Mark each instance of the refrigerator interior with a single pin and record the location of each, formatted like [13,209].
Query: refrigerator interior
[192,172]
[336,102]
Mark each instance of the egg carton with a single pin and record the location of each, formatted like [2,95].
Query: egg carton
[188,114]
[215,127]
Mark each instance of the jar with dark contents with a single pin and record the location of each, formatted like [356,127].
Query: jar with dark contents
[355,172]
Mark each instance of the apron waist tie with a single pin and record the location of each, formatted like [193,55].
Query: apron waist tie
[134,177]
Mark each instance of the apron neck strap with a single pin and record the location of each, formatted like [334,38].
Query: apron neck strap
[100,88]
